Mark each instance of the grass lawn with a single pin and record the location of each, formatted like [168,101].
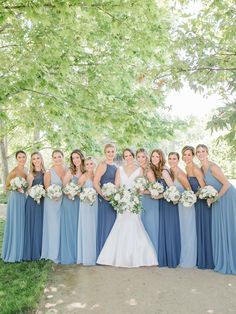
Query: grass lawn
[21,284]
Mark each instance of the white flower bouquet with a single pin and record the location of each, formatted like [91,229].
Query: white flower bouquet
[140,184]
[126,200]
[37,192]
[172,194]
[188,198]
[88,195]
[18,183]
[71,190]
[208,193]
[155,189]
[109,189]
[54,191]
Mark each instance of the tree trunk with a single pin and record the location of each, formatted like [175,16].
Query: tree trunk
[3,154]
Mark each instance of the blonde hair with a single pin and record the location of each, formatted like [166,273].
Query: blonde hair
[203,146]
[32,167]
[188,147]
[109,145]
[147,166]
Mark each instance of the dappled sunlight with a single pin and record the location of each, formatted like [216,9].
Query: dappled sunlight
[132,302]
[76,305]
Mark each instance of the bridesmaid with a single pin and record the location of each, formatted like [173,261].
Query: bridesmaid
[202,211]
[52,213]
[223,214]
[169,229]
[87,230]
[150,214]
[34,211]
[105,173]
[187,219]
[70,211]
[13,240]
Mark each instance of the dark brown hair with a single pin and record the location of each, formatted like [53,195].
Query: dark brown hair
[157,170]
[57,151]
[72,166]
[20,152]
[127,150]
[171,171]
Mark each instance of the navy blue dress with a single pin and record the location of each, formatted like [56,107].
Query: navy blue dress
[203,227]
[33,224]
[106,213]
[169,244]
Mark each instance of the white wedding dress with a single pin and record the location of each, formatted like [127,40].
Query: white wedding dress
[128,244]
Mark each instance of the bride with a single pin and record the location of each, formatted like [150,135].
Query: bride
[128,244]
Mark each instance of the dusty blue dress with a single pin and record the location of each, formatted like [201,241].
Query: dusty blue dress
[13,240]
[203,228]
[223,227]
[106,213]
[188,256]
[51,223]
[150,218]
[87,231]
[69,228]
[169,244]
[33,224]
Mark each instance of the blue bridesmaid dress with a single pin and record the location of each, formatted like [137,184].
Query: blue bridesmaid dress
[51,223]
[69,228]
[150,218]
[223,227]
[87,231]
[188,235]
[203,228]
[13,240]
[106,213]
[169,244]
[33,224]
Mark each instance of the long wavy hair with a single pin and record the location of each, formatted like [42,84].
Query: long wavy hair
[147,166]
[157,170]
[171,171]
[32,167]
[72,166]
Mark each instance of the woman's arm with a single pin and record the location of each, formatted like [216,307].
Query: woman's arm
[219,175]
[199,175]
[67,178]
[166,176]
[30,179]
[47,179]
[101,169]
[117,178]
[182,178]
[82,180]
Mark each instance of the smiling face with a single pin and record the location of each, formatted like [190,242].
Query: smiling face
[21,159]
[155,159]
[76,159]
[173,160]
[36,161]
[57,159]
[141,159]
[89,165]
[187,156]
[110,153]
[202,153]
[128,156]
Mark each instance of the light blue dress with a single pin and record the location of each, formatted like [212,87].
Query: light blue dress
[51,223]
[13,240]
[69,228]
[223,227]
[188,234]
[87,231]
[150,218]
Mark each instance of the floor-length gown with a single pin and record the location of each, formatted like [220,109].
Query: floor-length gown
[106,213]
[169,243]
[223,227]
[33,224]
[69,228]
[128,244]
[13,240]
[188,235]
[51,223]
[203,228]
[87,231]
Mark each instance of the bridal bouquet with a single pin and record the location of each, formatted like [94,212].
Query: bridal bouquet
[140,184]
[172,194]
[155,189]
[109,189]
[18,183]
[126,200]
[208,193]
[71,190]
[188,198]
[88,195]
[54,191]
[37,192]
